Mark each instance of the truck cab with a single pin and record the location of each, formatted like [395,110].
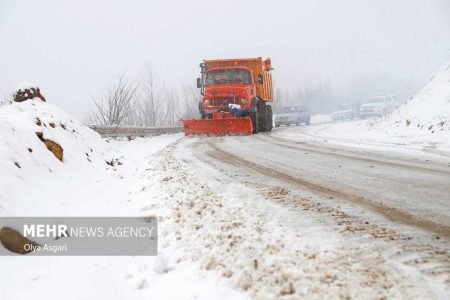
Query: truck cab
[224,86]
[241,86]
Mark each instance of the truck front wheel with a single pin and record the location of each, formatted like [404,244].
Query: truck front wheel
[264,115]
[254,117]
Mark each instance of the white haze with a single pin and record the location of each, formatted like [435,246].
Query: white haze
[73,49]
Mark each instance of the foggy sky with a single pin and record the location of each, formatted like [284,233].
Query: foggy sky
[73,49]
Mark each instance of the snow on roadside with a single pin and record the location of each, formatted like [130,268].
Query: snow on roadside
[95,178]
[422,123]
[92,172]
[25,160]
[426,113]
[259,246]
[424,119]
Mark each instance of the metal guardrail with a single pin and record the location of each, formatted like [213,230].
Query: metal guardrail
[125,131]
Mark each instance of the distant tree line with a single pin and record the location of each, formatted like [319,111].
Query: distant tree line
[321,97]
[145,101]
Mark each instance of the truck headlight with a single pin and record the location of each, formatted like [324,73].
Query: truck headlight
[244,101]
[206,102]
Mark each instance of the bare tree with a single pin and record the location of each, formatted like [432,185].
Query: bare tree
[191,96]
[151,97]
[117,103]
[148,103]
[171,116]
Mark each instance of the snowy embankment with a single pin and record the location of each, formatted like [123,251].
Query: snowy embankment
[53,166]
[34,181]
[422,123]
[425,115]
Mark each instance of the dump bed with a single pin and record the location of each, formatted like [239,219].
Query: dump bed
[256,65]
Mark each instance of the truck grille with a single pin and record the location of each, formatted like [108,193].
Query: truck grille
[222,101]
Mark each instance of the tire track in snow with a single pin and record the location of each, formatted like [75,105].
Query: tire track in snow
[405,164]
[391,213]
[429,260]
[253,243]
[400,146]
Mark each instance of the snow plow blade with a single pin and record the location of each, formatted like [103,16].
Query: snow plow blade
[221,124]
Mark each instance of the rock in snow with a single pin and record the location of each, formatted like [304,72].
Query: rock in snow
[27,92]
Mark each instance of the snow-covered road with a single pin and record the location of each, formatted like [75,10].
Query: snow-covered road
[406,190]
[285,217]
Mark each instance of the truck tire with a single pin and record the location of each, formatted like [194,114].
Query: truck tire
[261,116]
[263,123]
[265,116]
[261,108]
[254,117]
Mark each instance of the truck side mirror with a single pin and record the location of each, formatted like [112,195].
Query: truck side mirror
[260,79]
[199,83]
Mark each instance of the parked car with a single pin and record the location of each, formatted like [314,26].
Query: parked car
[292,115]
[379,106]
[346,111]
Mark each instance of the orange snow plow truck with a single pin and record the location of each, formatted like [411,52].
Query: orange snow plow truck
[235,97]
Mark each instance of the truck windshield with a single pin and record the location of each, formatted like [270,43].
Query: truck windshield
[228,76]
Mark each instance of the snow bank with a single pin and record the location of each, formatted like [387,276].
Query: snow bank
[31,172]
[422,123]
[95,177]
[426,113]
